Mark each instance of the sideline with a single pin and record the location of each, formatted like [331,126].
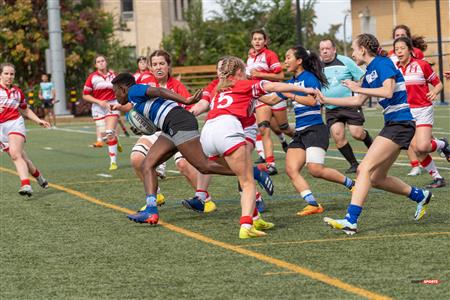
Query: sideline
[238,249]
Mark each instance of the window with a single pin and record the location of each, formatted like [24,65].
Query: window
[127,10]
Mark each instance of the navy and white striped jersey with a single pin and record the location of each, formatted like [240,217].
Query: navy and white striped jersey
[305,115]
[155,109]
[395,108]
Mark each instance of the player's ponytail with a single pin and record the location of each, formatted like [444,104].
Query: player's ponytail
[311,62]
[229,67]
[371,44]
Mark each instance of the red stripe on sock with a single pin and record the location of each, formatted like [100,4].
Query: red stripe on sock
[36,173]
[426,161]
[259,137]
[246,220]
[24,182]
[433,145]
[270,159]
[112,142]
[414,163]
[255,212]
[111,154]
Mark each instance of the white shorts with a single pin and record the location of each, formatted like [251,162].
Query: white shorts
[100,113]
[222,135]
[250,133]
[282,105]
[152,139]
[424,116]
[7,128]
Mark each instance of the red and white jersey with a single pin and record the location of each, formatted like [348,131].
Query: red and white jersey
[99,86]
[10,101]
[265,61]
[144,77]
[237,100]
[177,87]
[418,74]
[210,90]
[416,52]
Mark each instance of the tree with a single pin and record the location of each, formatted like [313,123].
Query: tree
[87,30]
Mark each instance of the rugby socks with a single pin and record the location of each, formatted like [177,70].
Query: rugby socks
[151,204]
[270,160]
[414,163]
[246,222]
[255,214]
[259,146]
[202,195]
[309,198]
[353,212]
[347,152]
[429,165]
[112,150]
[437,145]
[36,174]
[367,140]
[416,194]
[24,182]
[349,183]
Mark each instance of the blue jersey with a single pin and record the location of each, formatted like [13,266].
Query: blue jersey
[397,107]
[341,68]
[155,109]
[305,115]
[46,90]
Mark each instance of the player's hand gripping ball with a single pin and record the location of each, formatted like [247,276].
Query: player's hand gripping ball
[140,124]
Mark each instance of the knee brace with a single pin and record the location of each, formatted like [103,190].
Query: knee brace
[264,124]
[110,132]
[141,149]
[284,126]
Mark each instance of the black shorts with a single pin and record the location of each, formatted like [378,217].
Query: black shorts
[346,115]
[180,126]
[48,103]
[400,133]
[313,136]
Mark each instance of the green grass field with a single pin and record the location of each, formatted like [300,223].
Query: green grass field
[73,240]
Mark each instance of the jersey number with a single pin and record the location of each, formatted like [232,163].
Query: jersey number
[223,101]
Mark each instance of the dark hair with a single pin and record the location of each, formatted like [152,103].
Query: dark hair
[264,33]
[140,58]
[162,53]
[311,62]
[125,79]
[370,42]
[333,43]
[405,40]
[418,41]
[99,55]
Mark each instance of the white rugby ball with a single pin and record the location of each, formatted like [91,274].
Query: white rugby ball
[141,123]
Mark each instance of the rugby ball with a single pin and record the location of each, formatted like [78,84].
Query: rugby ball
[141,123]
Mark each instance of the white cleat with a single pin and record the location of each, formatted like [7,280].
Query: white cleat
[415,171]
[26,190]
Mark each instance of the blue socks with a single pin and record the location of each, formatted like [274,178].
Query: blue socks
[416,194]
[309,198]
[151,204]
[348,182]
[353,212]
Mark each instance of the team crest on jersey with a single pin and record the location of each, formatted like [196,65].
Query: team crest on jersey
[372,76]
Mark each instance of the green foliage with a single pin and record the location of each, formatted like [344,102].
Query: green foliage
[24,39]
[204,41]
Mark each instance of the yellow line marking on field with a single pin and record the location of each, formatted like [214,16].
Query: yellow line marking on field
[278,273]
[359,238]
[238,249]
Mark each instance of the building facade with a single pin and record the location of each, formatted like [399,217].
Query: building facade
[381,16]
[142,24]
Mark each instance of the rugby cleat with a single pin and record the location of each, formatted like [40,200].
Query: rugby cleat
[342,224]
[113,166]
[26,190]
[352,169]
[145,217]
[436,183]
[263,180]
[422,206]
[260,206]
[310,210]
[260,160]
[246,233]
[119,147]
[268,168]
[42,181]
[260,224]
[415,171]
[285,146]
[210,206]
[98,144]
[446,150]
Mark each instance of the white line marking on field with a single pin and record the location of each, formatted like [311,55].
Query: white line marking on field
[104,175]
[48,148]
[172,171]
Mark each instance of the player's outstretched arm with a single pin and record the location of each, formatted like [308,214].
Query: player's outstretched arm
[153,92]
[28,113]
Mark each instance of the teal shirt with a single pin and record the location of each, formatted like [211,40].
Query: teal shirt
[339,69]
[46,90]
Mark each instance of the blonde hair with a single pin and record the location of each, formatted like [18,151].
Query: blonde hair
[230,66]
